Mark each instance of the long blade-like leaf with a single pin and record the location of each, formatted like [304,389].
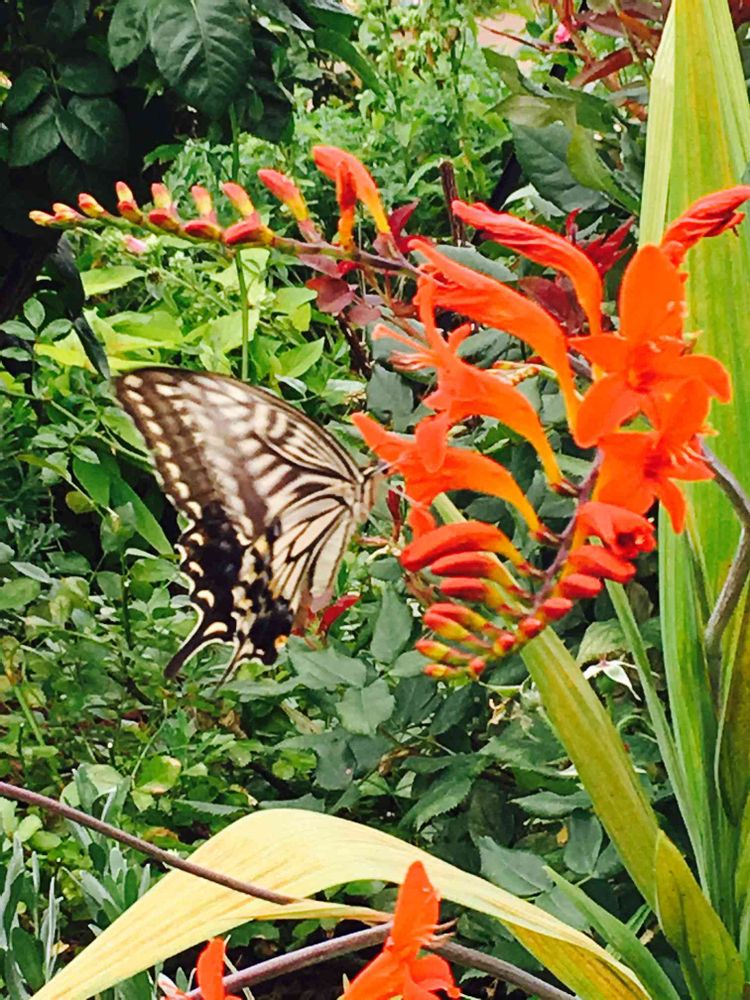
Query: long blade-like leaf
[301,853]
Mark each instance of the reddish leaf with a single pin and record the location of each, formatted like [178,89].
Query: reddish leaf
[334,294]
[603,67]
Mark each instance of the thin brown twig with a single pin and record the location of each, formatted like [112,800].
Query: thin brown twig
[450,194]
[157,853]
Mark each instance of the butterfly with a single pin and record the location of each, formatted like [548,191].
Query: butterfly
[272,501]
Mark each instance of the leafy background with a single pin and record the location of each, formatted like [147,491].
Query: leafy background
[90,601]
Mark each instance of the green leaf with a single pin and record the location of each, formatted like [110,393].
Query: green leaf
[338,45]
[95,130]
[584,843]
[64,19]
[519,872]
[29,957]
[36,135]
[106,279]
[295,362]
[446,792]
[710,961]
[95,479]
[601,640]
[203,49]
[393,627]
[33,310]
[26,88]
[550,805]
[589,170]
[158,774]
[621,939]
[325,668]
[543,155]
[389,397]
[32,571]
[92,346]
[16,594]
[127,36]
[362,710]
[87,74]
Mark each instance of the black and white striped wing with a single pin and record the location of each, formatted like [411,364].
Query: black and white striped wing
[271,497]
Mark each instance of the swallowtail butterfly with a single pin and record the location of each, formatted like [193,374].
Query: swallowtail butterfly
[272,500]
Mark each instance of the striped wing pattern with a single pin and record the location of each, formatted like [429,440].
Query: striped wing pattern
[272,500]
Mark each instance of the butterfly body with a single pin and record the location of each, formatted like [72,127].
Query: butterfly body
[272,500]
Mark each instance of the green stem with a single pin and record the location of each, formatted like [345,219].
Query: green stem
[244,308]
[29,715]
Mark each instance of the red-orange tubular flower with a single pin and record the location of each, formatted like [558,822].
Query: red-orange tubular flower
[647,360]
[285,190]
[708,216]
[492,303]
[543,246]
[330,159]
[397,971]
[209,973]
[464,390]
[454,539]
[430,466]
[640,467]
[624,533]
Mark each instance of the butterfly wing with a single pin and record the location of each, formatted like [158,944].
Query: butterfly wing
[271,497]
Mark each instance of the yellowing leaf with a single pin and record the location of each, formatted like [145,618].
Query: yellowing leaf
[300,853]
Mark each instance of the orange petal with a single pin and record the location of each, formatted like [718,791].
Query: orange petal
[543,246]
[285,190]
[450,539]
[490,302]
[329,159]
[652,298]
[607,404]
[708,216]
[210,970]
[417,911]
[595,560]
[381,979]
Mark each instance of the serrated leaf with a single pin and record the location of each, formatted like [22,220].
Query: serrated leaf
[519,872]
[550,805]
[446,792]
[392,627]
[95,130]
[36,135]
[27,86]
[127,35]
[601,640]
[204,50]
[588,169]
[362,710]
[325,668]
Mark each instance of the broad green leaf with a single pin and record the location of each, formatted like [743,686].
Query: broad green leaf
[296,361]
[362,710]
[584,843]
[550,805]
[204,49]
[447,791]
[543,155]
[31,571]
[324,668]
[127,35]
[29,956]
[95,130]
[65,18]
[16,594]
[588,169]
[710,962]
[516,871]
[36,135]
[158,774]
[107,279]
[301,853]
[338,45]
[392,627]
[27,86]
[86,74]
[95,479]
[390,398]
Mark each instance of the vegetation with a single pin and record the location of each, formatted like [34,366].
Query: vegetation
[597,773]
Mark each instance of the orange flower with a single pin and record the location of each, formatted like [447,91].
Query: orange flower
[488,301]
[624,533]
[209,969]
[640,467]
[464,390]
[397,971]
[330,159]
[708,216]
[647,360]
[455,539]
[543,246]
[346,196]
[429,466]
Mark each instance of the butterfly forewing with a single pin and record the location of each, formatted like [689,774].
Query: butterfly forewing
[271,497]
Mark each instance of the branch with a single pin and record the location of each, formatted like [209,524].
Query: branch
[738,571]
[166,858]
[314,954]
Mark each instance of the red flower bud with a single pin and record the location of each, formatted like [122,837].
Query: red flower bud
[239,198]
[285,190]
[440,672]
[451,538]
[332,613]
[127,205]
[481,591]
[42,218]
[477,666]
[64,213]
[504,643]
[594,560]
[440,652]
[202,229]
[578,585]
[531,626]
[480,564]
[470,620]
[555,608]
[202,200]
[249,230]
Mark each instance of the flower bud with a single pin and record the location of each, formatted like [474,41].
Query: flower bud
[453,538]
[239,198]
[249,230]
[555,608]
[438,651]
[90,206]
[439,671]
[477,666]
[42,218]
[64,213]
[531,626]
[127,205]
[285,190]
[578,585]
[504,642]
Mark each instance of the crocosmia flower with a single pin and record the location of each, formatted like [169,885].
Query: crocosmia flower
[398,971]
[209,973]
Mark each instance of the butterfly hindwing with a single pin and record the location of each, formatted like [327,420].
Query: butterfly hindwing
[272,500]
